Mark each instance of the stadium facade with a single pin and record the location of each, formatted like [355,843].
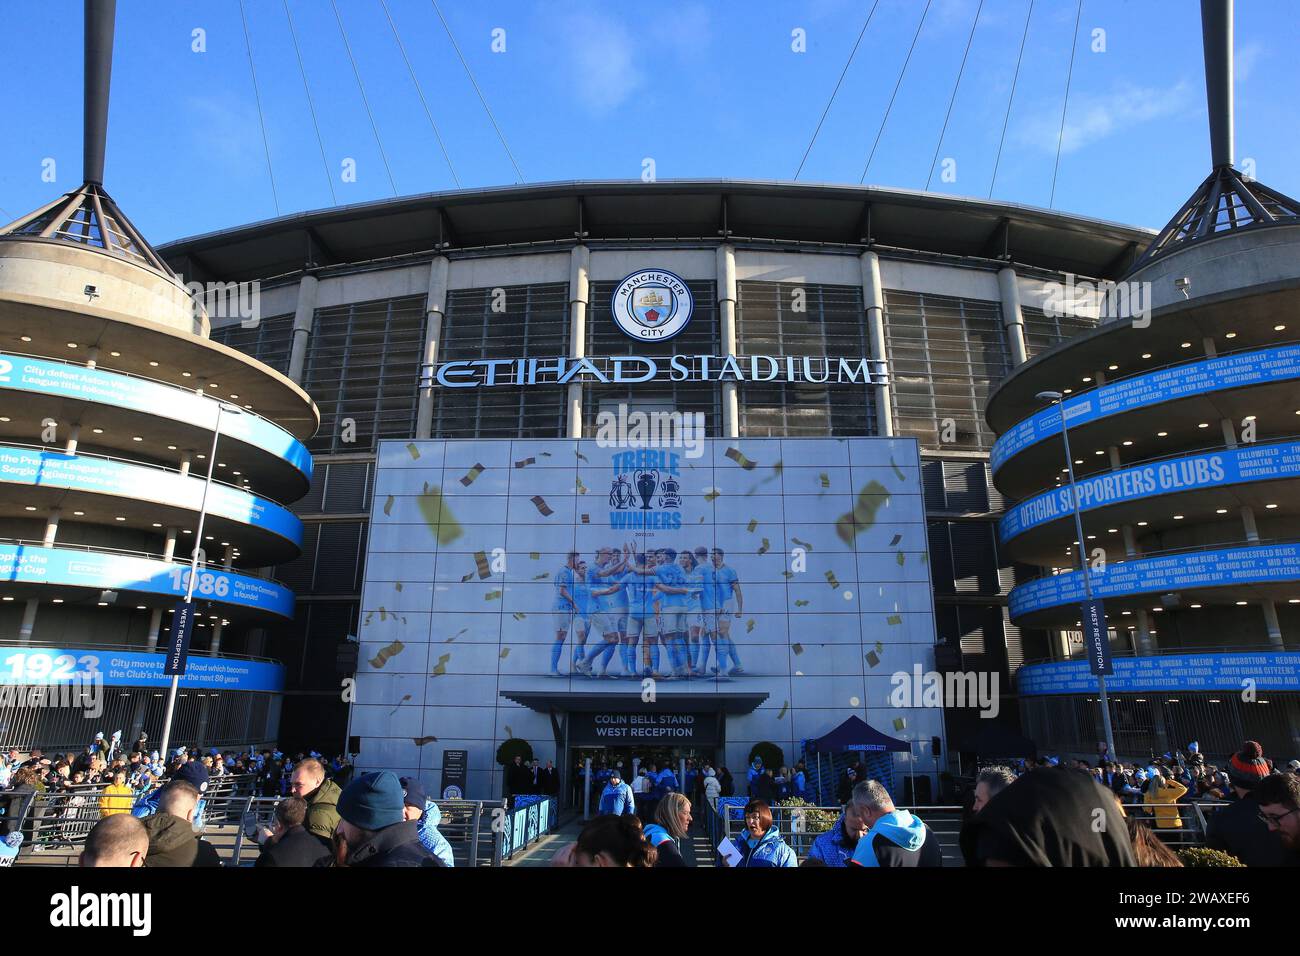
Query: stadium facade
[440,320]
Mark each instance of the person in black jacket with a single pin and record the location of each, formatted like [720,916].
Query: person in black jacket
[1279,808]
[1237,828]
[373,829]
[290,844]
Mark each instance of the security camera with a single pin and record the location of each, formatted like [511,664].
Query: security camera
[1182,284]
[91,292]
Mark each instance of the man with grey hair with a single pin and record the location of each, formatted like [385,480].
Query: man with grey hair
[893,837]
[990,782]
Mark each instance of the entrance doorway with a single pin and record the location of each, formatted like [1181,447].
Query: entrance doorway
[604,759]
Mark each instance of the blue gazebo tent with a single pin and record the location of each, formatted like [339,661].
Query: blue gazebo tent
[829,756]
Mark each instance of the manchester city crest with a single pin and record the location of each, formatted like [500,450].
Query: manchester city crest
[652,305]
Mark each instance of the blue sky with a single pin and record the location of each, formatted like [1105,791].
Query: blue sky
[590,90]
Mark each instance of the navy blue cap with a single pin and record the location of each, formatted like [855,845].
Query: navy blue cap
[413,792]
[373,801]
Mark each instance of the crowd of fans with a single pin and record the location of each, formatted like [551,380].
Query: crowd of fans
[1038,813]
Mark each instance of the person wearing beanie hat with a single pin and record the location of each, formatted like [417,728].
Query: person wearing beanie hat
[373,829]
[427,816]
[1237,828]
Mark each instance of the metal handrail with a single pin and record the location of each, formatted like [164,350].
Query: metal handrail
[100,549]
[142,464]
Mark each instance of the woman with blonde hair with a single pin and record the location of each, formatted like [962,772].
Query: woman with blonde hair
[1162,796]
[672,820]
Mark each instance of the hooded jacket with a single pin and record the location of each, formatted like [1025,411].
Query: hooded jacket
[323,811]
[834,847]
[432,840]
[771,850]
[1047,818]
[665,784]
[617,799]
[1162,800]
[898,839]
[395,845]
[173,843]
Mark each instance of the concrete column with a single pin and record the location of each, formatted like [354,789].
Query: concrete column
[51,527]
[28,622]
[92,356]
[873,300]
[579,292]
[435,308]
[1143,644]
[74,434]
[1229,433]
[1274,629]
[1248,522]
[303,316]
[1130,542]
[726,280]
[1211,350]
[1013,320]
[155,626]
[169,552]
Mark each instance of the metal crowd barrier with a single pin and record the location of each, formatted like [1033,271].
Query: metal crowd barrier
[522,826]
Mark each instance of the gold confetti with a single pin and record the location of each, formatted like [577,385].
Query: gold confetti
[785,708]
[440,668]
[753,523]
[542,577]
[519,615]
[397,585]
[736,455]
[415,452]
[383,614]
[863,515]
[825,479]
[386,654]
[369,615]
[701,519]
[897,471]
[509,732]
[710,495]
[803,544]
[788,574]
[480,559]
[492,596]
[749,625]
[546,454]
[832,580]
[800,603]
[586,519]
[421,741]
[388,505]
[472,474]
[581,456]
[540,503]
[894,619]
[525,462]
[894,541]
[467,578]
[535,555]
[437,515]
[900,723]
[766,546]
[797,648]
[582,489]
[399,704]
[872,658]
[505,652]
[900,557]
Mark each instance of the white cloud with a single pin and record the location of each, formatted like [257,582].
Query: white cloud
[1094,117]
[1244,60]
[604,57]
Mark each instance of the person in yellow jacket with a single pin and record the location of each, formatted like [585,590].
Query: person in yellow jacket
[1162,795]
[117,797]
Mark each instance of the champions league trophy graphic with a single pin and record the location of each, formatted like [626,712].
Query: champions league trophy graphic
[646,483]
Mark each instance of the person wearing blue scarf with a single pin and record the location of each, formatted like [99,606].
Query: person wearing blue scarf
[760,844]
[617,797]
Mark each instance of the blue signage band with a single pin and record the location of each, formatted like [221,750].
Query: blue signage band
[1231,466]
[34,564]
[19,373]
[33,665]
[1222,373]
[1268,670]
[106,476]
[1195,570]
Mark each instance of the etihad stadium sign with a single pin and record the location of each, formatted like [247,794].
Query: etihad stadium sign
[635,369]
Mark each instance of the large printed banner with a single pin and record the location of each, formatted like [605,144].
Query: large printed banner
[45,666]
[1196,378]
[783,581]
[49,469]
[1199,569]
[32,564]
[1248,463]
[1267,670]
[50,377]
